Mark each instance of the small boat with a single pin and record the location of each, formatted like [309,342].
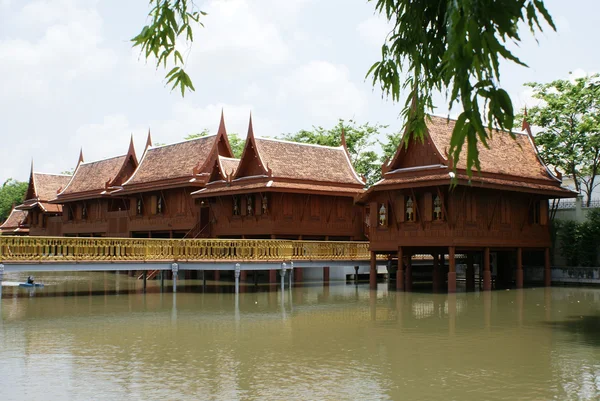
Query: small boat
[29,285]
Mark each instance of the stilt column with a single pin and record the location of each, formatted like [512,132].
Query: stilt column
[373,271]
[519,273]
[217,275]
[547,271]
[326,275]
[272,276]
[451,270]
[436,272]
[487,274]
[243,275]
[470,273]
[298,275]
[400,271]
[408,275]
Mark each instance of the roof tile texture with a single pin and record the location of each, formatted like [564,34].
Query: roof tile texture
[306,162]
[229,164]
[47,185]
[14,219]
[94,175]
[172,161]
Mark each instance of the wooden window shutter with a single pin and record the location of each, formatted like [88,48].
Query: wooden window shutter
[314,206]
[543,212]
[428,207]
[373,214]
[399,209]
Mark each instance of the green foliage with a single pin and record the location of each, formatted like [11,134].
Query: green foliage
[390,146]
[68,172]
[11,193]
[237,144]
[359,139]
[580,242]
[453,47]
[170,20]
[569,119]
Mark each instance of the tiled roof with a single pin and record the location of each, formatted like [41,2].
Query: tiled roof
[241,186]
[14,220]
[475,180]
[516,157]
[307,162]
[93,176]
[228,164]
[47,185]
[173,161]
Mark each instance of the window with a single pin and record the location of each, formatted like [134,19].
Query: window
[438,214]
[139,207]
[534,213]
[409,212]
[70,213]
[382,216]
[250,204]
[264,205]
[159,205]
[84,212]
[236,205]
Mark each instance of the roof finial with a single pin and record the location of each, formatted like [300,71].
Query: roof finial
[250,128]
[222,130]
[344,137]
[525,125]
[32,165]
[149,140]
[80,156]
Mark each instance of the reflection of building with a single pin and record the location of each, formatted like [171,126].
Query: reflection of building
[504,207]
[43,217]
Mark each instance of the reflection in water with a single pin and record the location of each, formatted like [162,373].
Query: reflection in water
[310,342]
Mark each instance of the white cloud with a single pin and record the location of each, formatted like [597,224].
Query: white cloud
[374,30]
[323,90]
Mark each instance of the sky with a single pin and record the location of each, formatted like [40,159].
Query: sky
[69,78]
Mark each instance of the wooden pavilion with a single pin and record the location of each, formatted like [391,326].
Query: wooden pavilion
[159,189]
[88,208]
[44,218]
[502,209]
[283,190]
[15,223]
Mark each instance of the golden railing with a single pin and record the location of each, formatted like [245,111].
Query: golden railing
[65,249]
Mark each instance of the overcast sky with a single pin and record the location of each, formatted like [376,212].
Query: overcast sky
[69,77]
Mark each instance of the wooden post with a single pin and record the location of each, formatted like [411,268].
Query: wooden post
[408,274]
[487,274]
[273,276]
[373,272]
[298,275]
[400,271]
[547,271]
[470,273]
[436,272]
[243,275]
[326,275]
[451,270]
[217,275]
[519,273]
[145,275]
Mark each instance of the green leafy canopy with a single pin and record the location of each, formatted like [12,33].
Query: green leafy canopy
[12,193]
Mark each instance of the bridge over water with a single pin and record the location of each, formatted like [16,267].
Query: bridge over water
[34,254]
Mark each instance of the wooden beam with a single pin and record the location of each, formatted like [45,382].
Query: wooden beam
[443,203]
[304,208]
[391,207]
[416,203]
[526,213]
[498,199]
[333,202]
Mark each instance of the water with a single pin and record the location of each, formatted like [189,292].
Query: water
[313,342]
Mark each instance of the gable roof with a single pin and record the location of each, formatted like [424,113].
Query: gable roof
[223,168]
[92,178]
[42,188]
[507,162]
[15,222]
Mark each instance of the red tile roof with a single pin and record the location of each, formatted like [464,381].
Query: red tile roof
[307,162]
[14,222]
[228,165]
[47,185]
[178,161]
[93,177]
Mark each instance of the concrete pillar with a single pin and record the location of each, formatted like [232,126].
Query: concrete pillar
[487,274]
[282,274]
[237,275]
[291,275]
[436,273]
[373,271]
[408,279]
[547,271]
[400,271]
[162,281]
[272,276]
[326,275]
[519,273]
[451,270]
[174,270]
[470,273]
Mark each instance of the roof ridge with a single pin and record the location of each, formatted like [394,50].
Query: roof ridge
[301,143]
[495,129]
[55,174]
[102,160]
[180,142]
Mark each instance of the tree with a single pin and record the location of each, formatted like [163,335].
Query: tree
[359,139]
[11,193]
[569,121]
[237,144]
[448,46]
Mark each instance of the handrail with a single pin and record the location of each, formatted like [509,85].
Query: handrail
[21,249]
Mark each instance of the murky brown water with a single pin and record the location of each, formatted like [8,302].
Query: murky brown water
[314,342]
